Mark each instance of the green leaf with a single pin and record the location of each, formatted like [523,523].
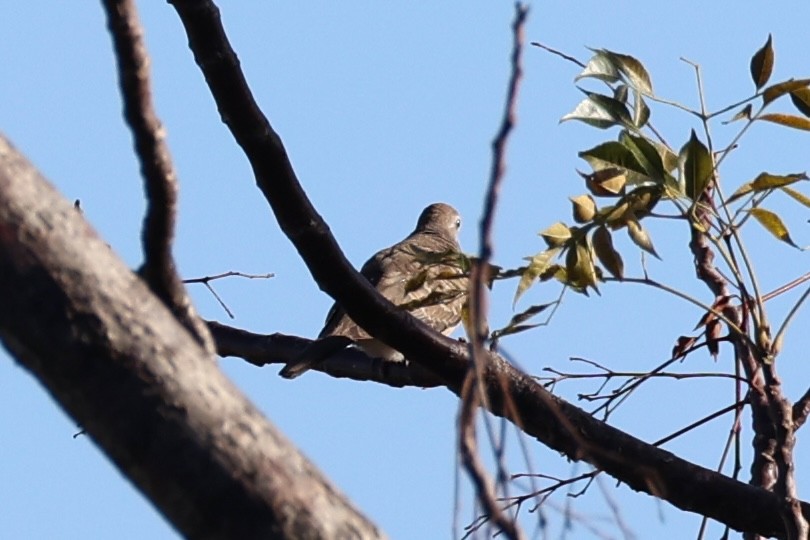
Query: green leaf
[508,330]
[697,168]
[588,112]
[634,72]
[606,253]
[641,112]
[780,89]
[621,93]
[538,264]
[646,155]
[762,64]
[801,99]
[801,197]
[516,325]
[773,224]
[615,154]
[641,237]
[600,67]
[612,106]
[529,312]
[765,181]
[789,120]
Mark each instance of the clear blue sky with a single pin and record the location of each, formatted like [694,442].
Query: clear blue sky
[384,108]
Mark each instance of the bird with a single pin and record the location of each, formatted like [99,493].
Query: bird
[423,274]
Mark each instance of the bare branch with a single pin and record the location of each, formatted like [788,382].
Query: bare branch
[801,409]
[472,461]
[160,180]
[206,281]
[477,302]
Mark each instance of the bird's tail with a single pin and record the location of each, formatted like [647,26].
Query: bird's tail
[315,353]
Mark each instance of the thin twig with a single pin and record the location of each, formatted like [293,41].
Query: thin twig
[780,334]
[698,423]
[207,279]
[652,283]
[558,53]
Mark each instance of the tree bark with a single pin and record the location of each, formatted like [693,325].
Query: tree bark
[118,362]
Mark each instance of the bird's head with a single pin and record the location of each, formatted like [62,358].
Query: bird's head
[440,218]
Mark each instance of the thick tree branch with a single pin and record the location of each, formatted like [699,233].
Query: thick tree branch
[553,421]
[160,180]
[120,364]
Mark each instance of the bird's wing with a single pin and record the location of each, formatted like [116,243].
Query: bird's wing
[420,274]
[423,276]
[338,322]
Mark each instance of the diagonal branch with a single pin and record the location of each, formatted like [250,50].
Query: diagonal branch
[160,180]
[510,393]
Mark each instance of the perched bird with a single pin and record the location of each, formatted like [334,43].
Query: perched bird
[422,274]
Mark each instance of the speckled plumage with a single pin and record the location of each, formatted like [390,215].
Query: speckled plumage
[421,273]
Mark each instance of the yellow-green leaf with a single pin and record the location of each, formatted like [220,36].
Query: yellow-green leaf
[762,64]
[780,89]
[765,181]
[579,267]
[538,264]
[788,120]
[643,199]
[697,167]
[773,224]
[606,253]
[641,237]
[556,235]
[801,197]
[584,208]
[745,113]
[801,99]
[615,216]
[606,182]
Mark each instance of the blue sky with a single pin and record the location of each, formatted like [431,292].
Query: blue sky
[385,108]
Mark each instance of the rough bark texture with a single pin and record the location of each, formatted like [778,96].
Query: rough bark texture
[123,367]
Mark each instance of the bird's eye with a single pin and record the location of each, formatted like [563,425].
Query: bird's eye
[458,223]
